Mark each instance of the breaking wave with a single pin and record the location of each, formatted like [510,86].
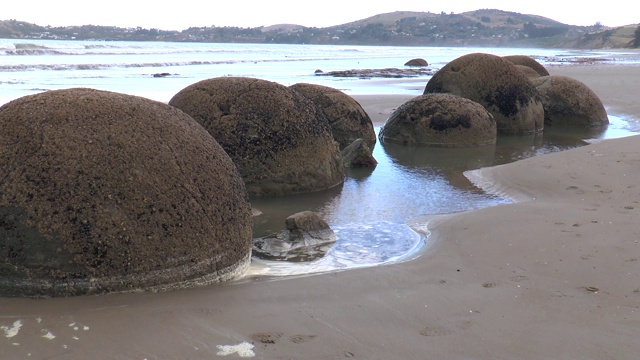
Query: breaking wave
[105,66]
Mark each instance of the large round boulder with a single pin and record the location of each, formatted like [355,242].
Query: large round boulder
[496,84]
[346,116]
[281,143]
[105,192]
[528,61]
[440,120]
[569,102]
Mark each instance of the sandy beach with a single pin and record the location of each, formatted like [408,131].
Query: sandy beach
[555,275]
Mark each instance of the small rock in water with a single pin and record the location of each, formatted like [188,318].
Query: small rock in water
[417,62]
[358,154]
[304,230]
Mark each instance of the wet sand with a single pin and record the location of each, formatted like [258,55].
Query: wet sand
[554,276]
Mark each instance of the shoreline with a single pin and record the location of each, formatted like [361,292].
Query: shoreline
[556,276]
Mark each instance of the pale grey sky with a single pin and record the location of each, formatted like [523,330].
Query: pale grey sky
[179,15]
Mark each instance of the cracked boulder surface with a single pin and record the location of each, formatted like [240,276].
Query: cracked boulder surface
[105,192]
[281,143]
[496,84]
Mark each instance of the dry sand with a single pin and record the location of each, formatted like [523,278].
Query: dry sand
[554,276]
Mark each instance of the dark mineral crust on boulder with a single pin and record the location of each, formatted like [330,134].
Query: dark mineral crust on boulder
[440,120]
[105,192]
[281,143]
[496,84]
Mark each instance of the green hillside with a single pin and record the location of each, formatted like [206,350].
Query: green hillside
[487,27]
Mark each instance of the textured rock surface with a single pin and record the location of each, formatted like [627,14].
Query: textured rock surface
[497,85]
[358,155]
[443,120]
[529,62]
[278,139]
[393,73]
[528,72]
[307,236]
[104,192]
[569,102]
[346,116]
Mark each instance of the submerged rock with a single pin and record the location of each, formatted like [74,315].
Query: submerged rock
[105,192]
[358,155]
[307,236]
[379,73]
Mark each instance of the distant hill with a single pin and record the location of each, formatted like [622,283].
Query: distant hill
[387,19]
[282,28]
[486,27]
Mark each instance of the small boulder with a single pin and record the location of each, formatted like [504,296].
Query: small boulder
[347,118]
[306,222]
[358,155]
[440,120]
[307,235]
[569,102]
[417,62]
[497,85]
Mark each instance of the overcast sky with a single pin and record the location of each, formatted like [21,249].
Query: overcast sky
[179,15]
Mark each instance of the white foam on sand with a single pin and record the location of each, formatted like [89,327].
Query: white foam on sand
[12,331]
[243,349]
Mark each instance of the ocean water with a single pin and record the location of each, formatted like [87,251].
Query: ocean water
[372,210]
[32,66]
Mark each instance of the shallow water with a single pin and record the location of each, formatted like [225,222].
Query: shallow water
[372,210]
[29,66]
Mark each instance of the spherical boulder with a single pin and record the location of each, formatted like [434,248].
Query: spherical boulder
[347,118]
[417,62]
[497,85]
[569,102]
[105,192]
[440,120]
[529,62]
[281,143]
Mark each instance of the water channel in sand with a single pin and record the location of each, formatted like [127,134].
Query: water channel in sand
[371,212]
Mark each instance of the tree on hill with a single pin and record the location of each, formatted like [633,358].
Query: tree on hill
[636,42]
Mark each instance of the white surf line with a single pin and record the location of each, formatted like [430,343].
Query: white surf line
[243,349]
[12,331]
